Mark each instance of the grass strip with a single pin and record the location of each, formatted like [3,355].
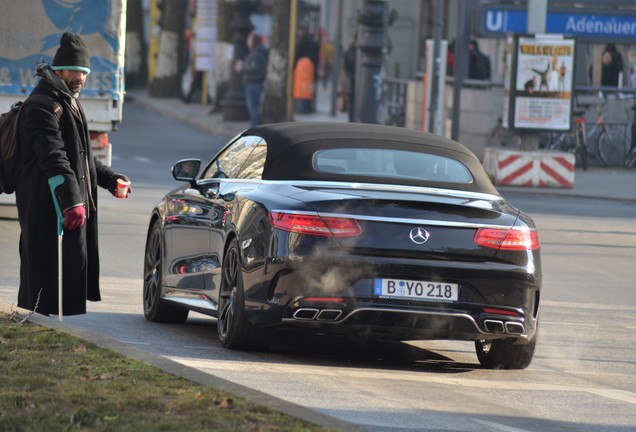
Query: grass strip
[55,382]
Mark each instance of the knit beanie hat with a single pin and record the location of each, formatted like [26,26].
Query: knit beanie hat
[72,54]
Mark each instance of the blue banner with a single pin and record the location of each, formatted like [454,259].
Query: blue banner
[498,21]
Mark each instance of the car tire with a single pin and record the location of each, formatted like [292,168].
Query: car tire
[504,353]
[155,308]
[234,330]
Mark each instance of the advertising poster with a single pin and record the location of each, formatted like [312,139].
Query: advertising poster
[542,83]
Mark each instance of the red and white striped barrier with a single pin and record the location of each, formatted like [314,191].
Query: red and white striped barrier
[527,168]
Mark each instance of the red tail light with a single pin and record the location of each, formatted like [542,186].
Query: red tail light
[507,239]
[313,224]
[501,311]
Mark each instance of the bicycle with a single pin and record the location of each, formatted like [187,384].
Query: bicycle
[609,145]
[574,142]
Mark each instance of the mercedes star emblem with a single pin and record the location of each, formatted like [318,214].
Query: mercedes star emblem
[419,235]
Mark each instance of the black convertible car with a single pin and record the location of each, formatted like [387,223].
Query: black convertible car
[367,230]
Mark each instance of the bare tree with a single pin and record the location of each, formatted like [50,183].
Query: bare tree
[224,41]
[167,79]
[276,95]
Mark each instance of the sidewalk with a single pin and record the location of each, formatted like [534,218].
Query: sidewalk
[200,116]
[598,183]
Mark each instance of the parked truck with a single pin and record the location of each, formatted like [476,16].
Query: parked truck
[30,32]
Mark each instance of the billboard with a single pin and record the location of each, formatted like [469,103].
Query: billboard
[541,83]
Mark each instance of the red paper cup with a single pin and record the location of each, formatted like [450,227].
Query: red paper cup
[122,188]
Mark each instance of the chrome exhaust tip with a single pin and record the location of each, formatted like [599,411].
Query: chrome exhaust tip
[494,326]
[329,314]
[305,314]
[515,328]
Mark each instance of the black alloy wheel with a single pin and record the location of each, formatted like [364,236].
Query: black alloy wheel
[235,331]
[155,309]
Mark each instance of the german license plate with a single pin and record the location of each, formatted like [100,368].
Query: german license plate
[415,290]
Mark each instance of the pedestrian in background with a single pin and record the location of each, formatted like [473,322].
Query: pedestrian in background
[478,63]
[55,143]
[611,66]
[349,79]
[307,46]
[254,69]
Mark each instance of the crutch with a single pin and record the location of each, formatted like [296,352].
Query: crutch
[54,182]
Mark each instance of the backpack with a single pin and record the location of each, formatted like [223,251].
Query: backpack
[483,66]
[10,143]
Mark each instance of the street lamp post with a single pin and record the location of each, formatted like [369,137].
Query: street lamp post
[233,104]
[373,22]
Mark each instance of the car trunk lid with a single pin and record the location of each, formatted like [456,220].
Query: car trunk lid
[412,222]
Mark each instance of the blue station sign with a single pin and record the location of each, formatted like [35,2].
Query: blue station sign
[499,20]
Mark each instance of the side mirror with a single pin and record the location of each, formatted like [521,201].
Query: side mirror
[186,170]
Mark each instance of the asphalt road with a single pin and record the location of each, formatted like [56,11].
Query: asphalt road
[583,377]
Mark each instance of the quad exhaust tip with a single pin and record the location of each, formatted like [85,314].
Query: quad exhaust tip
[494,326]
[329,314]
[310,314]
[515,328]
[511,327]
[306,314]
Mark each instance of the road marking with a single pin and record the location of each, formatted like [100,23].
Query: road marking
[210,366]
[568,324]
[142,159]
[208,348]
[595,306]
[134,342]
[498,426]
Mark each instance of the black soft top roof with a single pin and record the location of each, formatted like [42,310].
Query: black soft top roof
[291,146]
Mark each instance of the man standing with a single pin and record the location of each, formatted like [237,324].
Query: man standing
[55,143]
[478,63]
[254,73]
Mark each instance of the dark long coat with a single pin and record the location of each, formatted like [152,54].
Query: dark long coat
[51,147]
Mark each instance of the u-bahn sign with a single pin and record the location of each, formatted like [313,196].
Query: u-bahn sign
[615,26]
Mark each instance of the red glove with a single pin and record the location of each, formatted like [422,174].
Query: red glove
[74,217]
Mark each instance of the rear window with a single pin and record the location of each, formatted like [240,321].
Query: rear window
[395,164]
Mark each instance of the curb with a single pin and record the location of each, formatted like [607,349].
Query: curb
[553,192]
[192,374]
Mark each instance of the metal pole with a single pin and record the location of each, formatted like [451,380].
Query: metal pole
[461,61]
[60,284]
[434,76]
[537,11]
[372,41]
[291,57]
[337,59]
[54,182]
[233,104]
